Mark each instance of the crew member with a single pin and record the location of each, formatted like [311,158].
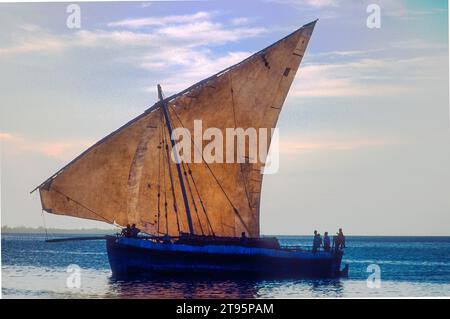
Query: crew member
[126,232]
[326,242]
[134,231]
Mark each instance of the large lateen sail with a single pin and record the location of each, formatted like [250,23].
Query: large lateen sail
[127,178]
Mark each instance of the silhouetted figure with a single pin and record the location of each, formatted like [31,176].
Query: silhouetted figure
[326,242]
[244,238]
[317,241]
[134,231]
[339,240]
[126,232]
[166,239]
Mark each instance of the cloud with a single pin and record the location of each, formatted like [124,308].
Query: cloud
[99,39]
[5,136]
[30,43]
[186,67]
[154,34]
[198,29]
[315,4]
[178,48]
[418,44]
[161,21]
[290,145]
[364,76]
[13,144]
[322,3]
[206,32]
[325,9]
[348,53]
[398,10]
[240,21]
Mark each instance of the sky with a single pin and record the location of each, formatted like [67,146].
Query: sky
[364,132]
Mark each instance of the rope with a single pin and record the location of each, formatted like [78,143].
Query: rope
[164,179]
[159,179]
[201,201]
[215,178]
[175,206]
[78,203]
[192,198]
[197,191]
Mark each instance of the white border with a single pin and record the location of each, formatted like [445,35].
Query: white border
[80,1]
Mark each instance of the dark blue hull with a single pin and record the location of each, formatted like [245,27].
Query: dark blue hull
[137,256]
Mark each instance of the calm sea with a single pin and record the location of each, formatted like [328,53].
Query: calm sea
[409,267]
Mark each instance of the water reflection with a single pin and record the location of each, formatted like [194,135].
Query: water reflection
[164,287]
[168,287]
[327,288]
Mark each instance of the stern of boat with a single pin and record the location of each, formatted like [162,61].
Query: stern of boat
[337,261]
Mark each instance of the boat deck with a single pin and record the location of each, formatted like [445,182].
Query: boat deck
[225,248]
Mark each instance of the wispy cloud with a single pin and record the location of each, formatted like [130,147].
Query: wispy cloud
[418,44]
[186,36]
[310,144]
[240,21]
[179,47]
[5,136]
[322,3]
[162,21]
[363,76]
[325,9]
[186,66]
[309,3]
[207,32]
[32,39]
[399,10]
[62,150]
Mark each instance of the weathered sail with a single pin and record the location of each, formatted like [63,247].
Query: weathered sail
[126,177]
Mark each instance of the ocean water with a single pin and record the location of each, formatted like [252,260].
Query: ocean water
[409,267]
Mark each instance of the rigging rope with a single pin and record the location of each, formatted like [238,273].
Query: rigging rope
[159,179]
[175,206]
[198,195]
[200,199]
[214,176]
[78,203]
[164,178]
[192,198]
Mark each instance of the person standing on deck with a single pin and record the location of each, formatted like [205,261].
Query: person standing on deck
[341,239]
[134,231]
[126,232]
[317,241]
[244,238]
[326,242]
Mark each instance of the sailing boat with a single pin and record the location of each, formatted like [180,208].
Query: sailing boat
[197,217]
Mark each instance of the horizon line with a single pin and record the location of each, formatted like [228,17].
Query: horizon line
[262,235]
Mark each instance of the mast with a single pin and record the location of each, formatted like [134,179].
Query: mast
[177,162]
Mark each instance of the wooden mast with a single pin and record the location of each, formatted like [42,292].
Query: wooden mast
[177,162]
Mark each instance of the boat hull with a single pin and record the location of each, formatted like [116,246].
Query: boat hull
[128,256]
